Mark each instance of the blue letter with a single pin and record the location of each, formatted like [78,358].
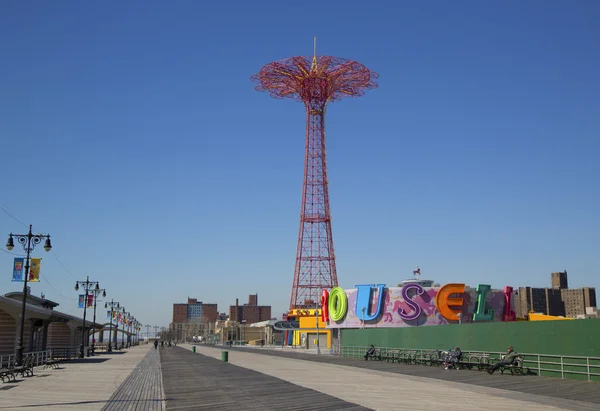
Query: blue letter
[363,301]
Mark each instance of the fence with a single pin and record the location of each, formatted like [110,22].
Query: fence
[572,367]
[39,358]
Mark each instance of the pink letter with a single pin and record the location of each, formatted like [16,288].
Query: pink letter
[509,315]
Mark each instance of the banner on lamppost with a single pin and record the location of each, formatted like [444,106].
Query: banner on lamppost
[108,315]
[18,269]
[34,270]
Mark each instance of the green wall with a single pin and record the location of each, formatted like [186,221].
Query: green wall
[573,338]
[578,338]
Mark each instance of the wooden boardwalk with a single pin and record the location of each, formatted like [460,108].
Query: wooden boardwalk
[142,390]
[530,384]
[197,382]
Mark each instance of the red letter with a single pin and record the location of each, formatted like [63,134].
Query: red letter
[509,315]
[325,306]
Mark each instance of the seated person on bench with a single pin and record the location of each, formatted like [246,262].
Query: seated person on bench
[370,352]
[452,358]
[456,356]
[508,359]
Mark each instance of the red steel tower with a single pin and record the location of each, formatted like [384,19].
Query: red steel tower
[315,81]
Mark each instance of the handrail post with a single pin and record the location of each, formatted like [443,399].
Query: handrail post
[588,369]
[562,368]
[539,366]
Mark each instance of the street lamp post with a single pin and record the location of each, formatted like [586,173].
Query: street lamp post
[363,316]
[125,327]
[243,331]
[317,321]
[120,312]
[28,241]
[96,292]
[87,286]
[113,304]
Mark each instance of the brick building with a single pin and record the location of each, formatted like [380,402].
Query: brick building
[192,318]
[559,280]
[251,312]
[180,313]
[539,300]
[577,300]
[558,300]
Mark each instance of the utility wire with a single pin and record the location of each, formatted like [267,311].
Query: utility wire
[51,286]
[8,252]
[13,217]
[63,266]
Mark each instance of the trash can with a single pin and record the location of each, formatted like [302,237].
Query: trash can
[225,356]
[193,348]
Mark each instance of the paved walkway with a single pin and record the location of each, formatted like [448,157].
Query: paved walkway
[142,389]
[86,384]
[271,380]
[544,386]
[387,390]
[198,382]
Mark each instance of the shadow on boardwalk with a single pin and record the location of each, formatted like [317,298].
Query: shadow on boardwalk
[528,384]
[196,382]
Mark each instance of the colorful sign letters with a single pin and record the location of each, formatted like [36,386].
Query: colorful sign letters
[375,305]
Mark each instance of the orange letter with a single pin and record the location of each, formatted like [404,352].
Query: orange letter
[443,301]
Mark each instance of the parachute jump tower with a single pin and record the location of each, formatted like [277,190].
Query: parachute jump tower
[315,81]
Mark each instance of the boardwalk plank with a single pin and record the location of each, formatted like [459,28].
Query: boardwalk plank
[197,382]
[530,384]
[142,389]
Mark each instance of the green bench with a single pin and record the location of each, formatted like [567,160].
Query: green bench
[516,367]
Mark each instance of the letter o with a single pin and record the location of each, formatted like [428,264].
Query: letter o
[338,304]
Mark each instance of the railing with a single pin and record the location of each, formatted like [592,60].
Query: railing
[563,366]
[39,358]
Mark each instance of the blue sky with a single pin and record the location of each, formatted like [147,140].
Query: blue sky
[133,135]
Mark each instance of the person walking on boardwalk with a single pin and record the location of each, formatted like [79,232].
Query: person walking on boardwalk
[155,344]
[508,359]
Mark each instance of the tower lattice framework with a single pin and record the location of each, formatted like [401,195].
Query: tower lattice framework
[316,81]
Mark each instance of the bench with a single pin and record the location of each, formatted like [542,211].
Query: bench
[516,367]
[376,356]
[26,369]
[6,373]
[480,361]
[391,355]
[51,362]
[428,357]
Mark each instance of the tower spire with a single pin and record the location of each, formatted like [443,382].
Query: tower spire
[314,60]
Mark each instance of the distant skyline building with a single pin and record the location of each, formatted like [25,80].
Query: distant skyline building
[559,300]
[191,318]
[559,280]
[251,312]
